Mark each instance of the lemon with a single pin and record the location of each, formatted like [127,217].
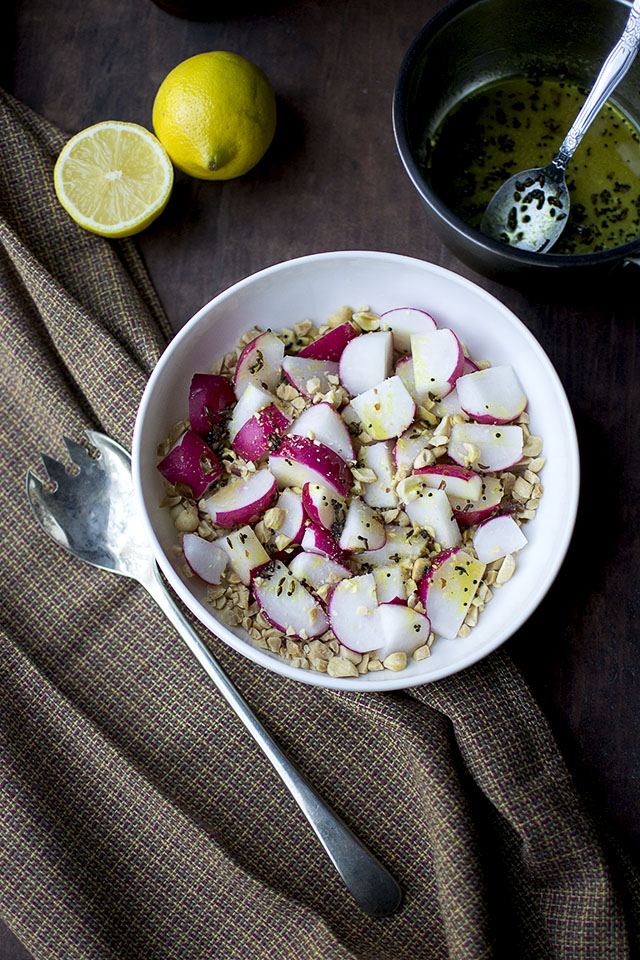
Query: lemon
[216,115]
[113,178]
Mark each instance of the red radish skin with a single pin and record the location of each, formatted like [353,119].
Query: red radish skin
[191,463]
[327,426]
[330,345]
[260,433]
[242,501]
[300,460]
[322,506]
[260,363]
[458,481]
[251,402]
[318,540]
[205,557]
[468,512]
[209,395]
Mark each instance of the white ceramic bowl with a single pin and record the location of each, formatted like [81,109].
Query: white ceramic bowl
[313,287]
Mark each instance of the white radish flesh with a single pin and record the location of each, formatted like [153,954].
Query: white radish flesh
[456,481]
[430,510]
[244,551]
[470,512]
[493,395]
[330,345]
[401,544]
[379,458]
[300,460]
[497,537]
[404,370]
[287,604]
[205,557]
[402,319]
[365,362]
[484,447]
[323,506]
[251,402]
[318,540]
[403,630]
[390,585]
[259,363]
[302,371]
[438,361]
[447,589]
[386,410]
[352,613]
[242,501]
[411,443]
[363,529]
[258,435]
[321,422]
[315,571]
[294,517]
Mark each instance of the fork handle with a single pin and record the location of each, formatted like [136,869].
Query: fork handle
[370,884]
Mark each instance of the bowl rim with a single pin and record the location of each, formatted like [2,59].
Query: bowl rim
[549,261]
[374,684]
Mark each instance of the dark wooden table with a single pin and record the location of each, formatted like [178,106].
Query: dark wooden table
[332,180]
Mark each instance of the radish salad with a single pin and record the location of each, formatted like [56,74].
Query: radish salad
[352,492]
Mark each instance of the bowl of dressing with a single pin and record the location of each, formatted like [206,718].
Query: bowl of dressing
[489,88]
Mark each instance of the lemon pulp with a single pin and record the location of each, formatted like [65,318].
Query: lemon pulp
[113,178]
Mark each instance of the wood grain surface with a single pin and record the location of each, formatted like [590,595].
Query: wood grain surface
[333,180]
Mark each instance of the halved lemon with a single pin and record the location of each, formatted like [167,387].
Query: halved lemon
[113,178]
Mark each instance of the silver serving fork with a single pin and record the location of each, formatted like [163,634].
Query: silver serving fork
[94,516]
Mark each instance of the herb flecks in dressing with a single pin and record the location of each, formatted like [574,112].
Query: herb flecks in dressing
[515,124]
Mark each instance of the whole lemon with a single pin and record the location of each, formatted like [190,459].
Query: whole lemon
[215,115]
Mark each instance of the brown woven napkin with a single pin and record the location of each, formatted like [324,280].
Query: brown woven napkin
[138,820]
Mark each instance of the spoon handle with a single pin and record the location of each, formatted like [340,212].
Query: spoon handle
[371,885]
[611,73]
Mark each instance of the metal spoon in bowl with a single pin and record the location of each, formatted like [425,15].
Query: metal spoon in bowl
[529,211]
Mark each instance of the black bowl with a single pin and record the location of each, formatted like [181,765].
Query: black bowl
[473,42]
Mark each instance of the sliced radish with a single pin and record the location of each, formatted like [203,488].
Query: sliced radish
[469,512]
[402,319]
[242,501]
[365,362]
[286,603]
[259,363]
[493,395]
[330,345]
[205,557]
[261,433]
[401,544]
[352,613]
[456,481]
[411,443]
[485,448]
[438,361]
[299,371]
[449,405]
[379,458]
[390,585]
[315,571]
[209,395]
[293,525]
[191,463]
[252,400]
[363,529]
[386,410]
[318,540]
[403,630]
[404,370]
[321,422]
[429,509]
[497,537]
[323,506]
[300,460]
[447,589]
[244,551]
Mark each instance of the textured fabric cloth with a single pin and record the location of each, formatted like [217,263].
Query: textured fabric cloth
[138,819]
